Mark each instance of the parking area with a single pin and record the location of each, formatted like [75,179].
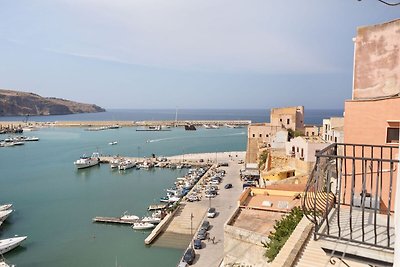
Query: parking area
[212,247]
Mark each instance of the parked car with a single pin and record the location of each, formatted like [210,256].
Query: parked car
[211,213]
[210,194]
[197,244]
[202,234]
[189,256]
[183,264]
[227,186]
[205,225]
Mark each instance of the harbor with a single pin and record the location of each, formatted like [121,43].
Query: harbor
[58,192]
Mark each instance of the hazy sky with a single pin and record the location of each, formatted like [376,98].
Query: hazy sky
[185,53]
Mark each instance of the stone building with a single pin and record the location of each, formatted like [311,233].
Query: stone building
[275,133]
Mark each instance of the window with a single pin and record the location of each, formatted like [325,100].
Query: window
[392,135]
[306,133]
[288,121]
[260,135]
[335,139]
[267,135]
[254,135]
[312,133]
[297,150]
[280,120]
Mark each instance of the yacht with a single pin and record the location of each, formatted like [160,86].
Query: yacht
[10,243]
[85,162]
[5,207]
[113,143]
[4,214]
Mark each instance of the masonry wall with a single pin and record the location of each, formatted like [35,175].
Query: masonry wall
[377,61]
[243,247]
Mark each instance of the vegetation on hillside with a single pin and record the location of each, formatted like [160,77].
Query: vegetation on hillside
[262,159]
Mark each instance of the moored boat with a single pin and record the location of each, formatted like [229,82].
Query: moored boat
[10,243]
[126,164]
[4,214]
[142,226]
[129,217]
[85,162]
[114,163]
[5,207]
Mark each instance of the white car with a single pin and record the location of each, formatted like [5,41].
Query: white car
[211,213]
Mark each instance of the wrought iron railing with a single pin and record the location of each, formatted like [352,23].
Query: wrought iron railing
[350,194]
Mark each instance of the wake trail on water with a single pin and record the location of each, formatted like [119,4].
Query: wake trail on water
[192,137]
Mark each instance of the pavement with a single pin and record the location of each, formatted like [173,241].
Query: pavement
[212,252]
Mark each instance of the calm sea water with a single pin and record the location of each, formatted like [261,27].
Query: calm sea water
[55,203]
[312,116]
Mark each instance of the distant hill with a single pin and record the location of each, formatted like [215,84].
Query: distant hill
[15,103]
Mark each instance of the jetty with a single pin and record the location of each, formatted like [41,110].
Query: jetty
[113,220]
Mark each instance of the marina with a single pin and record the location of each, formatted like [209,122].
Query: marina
[58,188]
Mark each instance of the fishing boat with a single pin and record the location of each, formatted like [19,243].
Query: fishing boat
[5,207]
[126,164]
[86,162]
[142,226]
[114,163]
[10,243]
[4,214]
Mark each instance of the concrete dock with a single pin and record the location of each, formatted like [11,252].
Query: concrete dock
[113,220]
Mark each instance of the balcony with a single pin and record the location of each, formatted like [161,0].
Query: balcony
[350,197]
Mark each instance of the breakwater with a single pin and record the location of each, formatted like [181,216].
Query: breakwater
[181,123]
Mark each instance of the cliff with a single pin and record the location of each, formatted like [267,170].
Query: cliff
[15,103]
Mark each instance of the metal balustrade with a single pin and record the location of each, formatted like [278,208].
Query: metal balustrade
[350,194]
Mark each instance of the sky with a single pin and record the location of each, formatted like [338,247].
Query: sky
[184,54]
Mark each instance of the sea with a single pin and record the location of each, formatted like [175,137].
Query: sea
[54,203]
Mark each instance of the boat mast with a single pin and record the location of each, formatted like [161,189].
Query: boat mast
[176,117]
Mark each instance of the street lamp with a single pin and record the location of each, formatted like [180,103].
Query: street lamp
[191,226]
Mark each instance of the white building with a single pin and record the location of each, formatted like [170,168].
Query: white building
[304,147]
[332,130]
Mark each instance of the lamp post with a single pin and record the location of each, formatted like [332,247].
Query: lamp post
[191,226]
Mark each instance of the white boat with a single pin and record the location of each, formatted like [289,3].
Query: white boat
[85,162]
[10,243]
[113,143]
[170,199]
[142,226]
[126,164]
[4,214]
[151,219]
[129,217]
[4,264]
[31,138]
[5,207]
[114,163]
